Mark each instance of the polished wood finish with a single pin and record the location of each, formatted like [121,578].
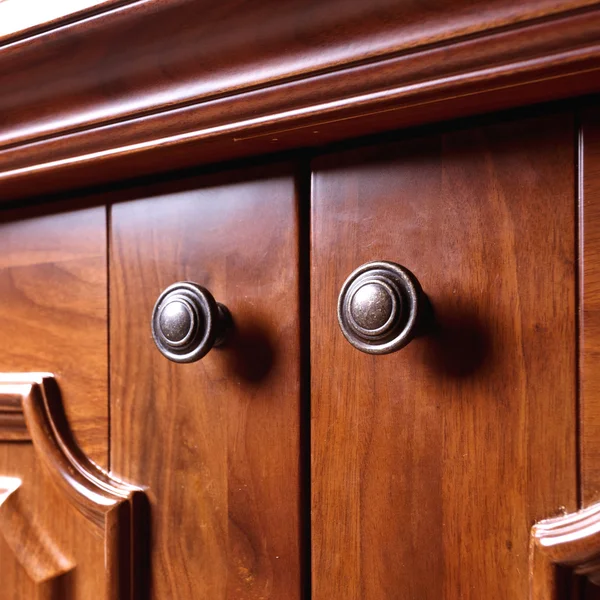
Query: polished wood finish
[571,541]
[12,420]
[217,441]
[590,307]
[430,465]
[53,311]
[106,504]
[80,107]
[22,17]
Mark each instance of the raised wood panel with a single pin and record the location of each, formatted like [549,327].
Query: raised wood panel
[216,441]
[430,465]
[53,311]
[77,538]
[40,534]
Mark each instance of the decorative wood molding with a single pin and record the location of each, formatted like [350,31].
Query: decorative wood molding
[113,507]
[572,541]
[41,560]
[247,79]
[12,419]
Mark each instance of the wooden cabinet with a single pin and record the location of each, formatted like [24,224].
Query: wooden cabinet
[265,155]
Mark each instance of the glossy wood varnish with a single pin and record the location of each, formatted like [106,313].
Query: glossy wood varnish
[53,310]
[216,441]
[87,541]
[79,107]
[590,313]
[53,317]
[430,465]
[590,300]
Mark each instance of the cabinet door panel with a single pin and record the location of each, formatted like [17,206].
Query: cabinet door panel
[215,441]
[430,465]
[53,318]
[53,310]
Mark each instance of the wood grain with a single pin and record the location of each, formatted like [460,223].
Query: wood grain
[72,540]
[590,309]
[572,542]
[53,310]
[430,465]
[250,78]
[47,549]
[12,420]
[216,441]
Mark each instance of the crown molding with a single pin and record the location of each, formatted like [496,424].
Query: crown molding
[155,85]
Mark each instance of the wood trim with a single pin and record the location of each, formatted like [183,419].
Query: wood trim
[21,19]
[112,506]
[589,299]
[40,559]
[571,541]
[267,80]
[12,419]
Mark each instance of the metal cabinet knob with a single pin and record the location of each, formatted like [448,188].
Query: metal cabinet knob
[187,322]
[381,307]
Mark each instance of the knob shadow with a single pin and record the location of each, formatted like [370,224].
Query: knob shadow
[250,353]
[458,343]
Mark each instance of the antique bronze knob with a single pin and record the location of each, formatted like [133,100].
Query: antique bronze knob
[187,322]
[381,307]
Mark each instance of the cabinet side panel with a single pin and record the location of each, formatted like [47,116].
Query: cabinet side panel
[431,464]
[217,442]
[590,307]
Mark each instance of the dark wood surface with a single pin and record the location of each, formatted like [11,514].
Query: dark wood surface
[590,308]
[590,314]
[80,107]
[430,465]
[53,310]
[19,18]
[217,441]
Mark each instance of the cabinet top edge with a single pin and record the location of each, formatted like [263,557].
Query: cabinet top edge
[196,83]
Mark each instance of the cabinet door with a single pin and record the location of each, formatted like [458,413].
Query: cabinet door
[53,319]
[216,442]
[430,464]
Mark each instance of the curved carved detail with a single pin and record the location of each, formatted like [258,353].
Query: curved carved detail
[572,541]
[113,507]
[33,549]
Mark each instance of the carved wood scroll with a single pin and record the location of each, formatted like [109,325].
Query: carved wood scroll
[31,409]
[572,541]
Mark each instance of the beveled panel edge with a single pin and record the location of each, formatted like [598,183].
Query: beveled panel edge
[34,551]
[553,56]
[12,419]
[113,507]
[573,541]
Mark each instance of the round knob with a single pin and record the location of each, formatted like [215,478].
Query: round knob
[187,322]
[380,307]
